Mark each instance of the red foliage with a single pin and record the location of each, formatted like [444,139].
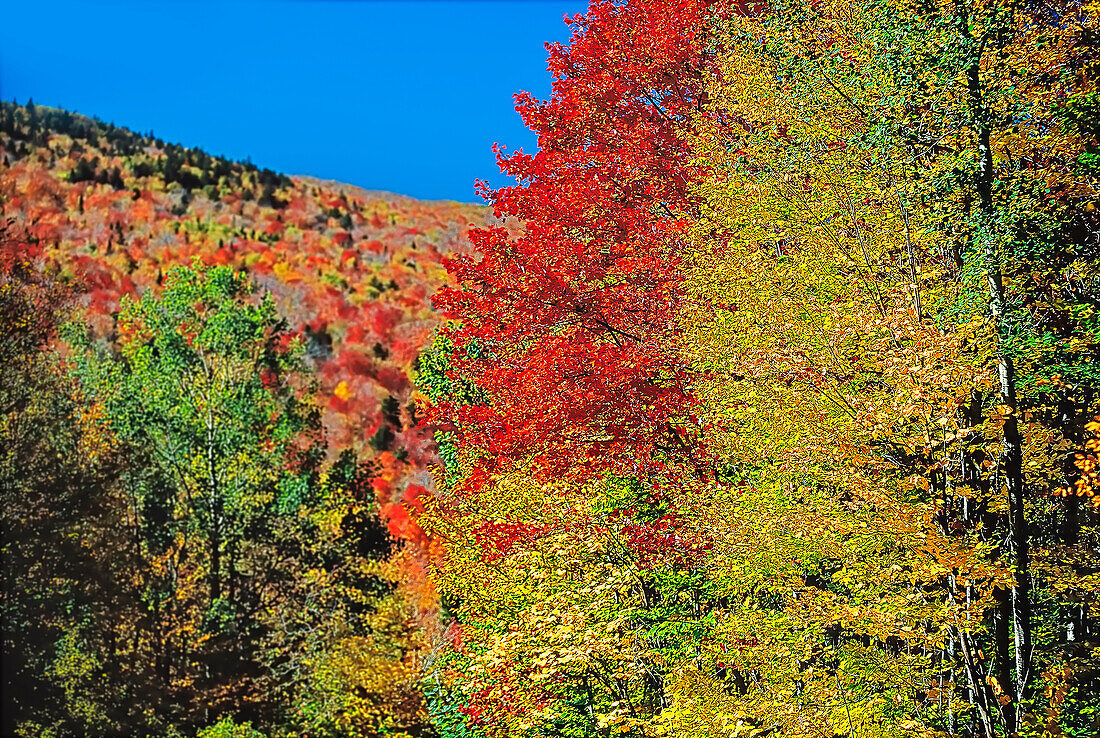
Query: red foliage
[353,363]
[664,542]
[16,253]
[569,326]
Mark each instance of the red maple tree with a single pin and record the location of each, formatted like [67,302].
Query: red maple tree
[569,327]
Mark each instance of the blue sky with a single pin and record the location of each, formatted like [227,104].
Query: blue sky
[402,95]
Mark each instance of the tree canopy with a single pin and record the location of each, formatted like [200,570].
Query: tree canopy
[805,448]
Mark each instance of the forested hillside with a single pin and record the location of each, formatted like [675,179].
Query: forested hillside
[765,403]
[119,616]
[352,271]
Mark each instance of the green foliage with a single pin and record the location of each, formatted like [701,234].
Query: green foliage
[79,674]
[238,519]
[446,710]
[438,382]
[202,387]
[228,728]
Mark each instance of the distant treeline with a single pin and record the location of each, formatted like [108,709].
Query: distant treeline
[104,150]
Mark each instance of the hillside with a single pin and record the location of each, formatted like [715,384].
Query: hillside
[352,270]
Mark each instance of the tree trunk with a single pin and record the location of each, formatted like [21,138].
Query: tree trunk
[1001,626]
[214,506]
[1011,456]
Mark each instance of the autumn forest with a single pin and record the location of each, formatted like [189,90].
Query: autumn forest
[766,402]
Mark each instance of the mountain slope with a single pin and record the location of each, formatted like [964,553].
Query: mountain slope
[352,270]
